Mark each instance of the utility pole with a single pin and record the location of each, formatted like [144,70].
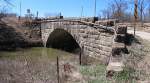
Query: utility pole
[37,14]
[94,18]
[81,12]
[20,6]
[135,14]
[95,9]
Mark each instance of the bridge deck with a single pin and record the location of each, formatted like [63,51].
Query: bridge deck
[79,22]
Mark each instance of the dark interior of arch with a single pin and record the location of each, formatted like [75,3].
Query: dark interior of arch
[61,39]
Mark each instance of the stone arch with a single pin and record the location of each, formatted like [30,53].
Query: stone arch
[96,42]
[62,38]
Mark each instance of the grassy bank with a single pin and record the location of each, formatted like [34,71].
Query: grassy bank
[97,74]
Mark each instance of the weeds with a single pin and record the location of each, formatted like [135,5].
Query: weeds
[97,74]
[126,76]
[94,74]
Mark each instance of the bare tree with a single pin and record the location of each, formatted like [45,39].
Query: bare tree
[106,13]
[120,7]
[141,8]
[6,3]
[135,14]
[116,9]
[148,10]
[4,7]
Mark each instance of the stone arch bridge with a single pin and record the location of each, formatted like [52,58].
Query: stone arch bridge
[97,40]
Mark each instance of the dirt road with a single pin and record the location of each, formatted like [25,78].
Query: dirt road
[142,34]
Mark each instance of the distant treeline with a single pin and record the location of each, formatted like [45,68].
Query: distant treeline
[124,10]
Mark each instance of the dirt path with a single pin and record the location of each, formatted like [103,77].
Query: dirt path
[142,34]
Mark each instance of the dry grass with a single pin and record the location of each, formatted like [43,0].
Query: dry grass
[36,65]
[139,59]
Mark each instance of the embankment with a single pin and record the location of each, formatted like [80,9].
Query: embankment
[12,38]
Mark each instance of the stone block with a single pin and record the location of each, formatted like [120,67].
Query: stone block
[121,29]
[115,66]
[118,45]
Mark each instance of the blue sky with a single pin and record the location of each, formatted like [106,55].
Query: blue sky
[68,8]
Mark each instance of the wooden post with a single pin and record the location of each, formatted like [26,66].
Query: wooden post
[40,30]
[80,56]
[80,61]
[58,69]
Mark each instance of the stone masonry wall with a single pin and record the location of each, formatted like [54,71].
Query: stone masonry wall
[96,43]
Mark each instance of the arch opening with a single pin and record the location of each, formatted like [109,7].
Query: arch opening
[61,39]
